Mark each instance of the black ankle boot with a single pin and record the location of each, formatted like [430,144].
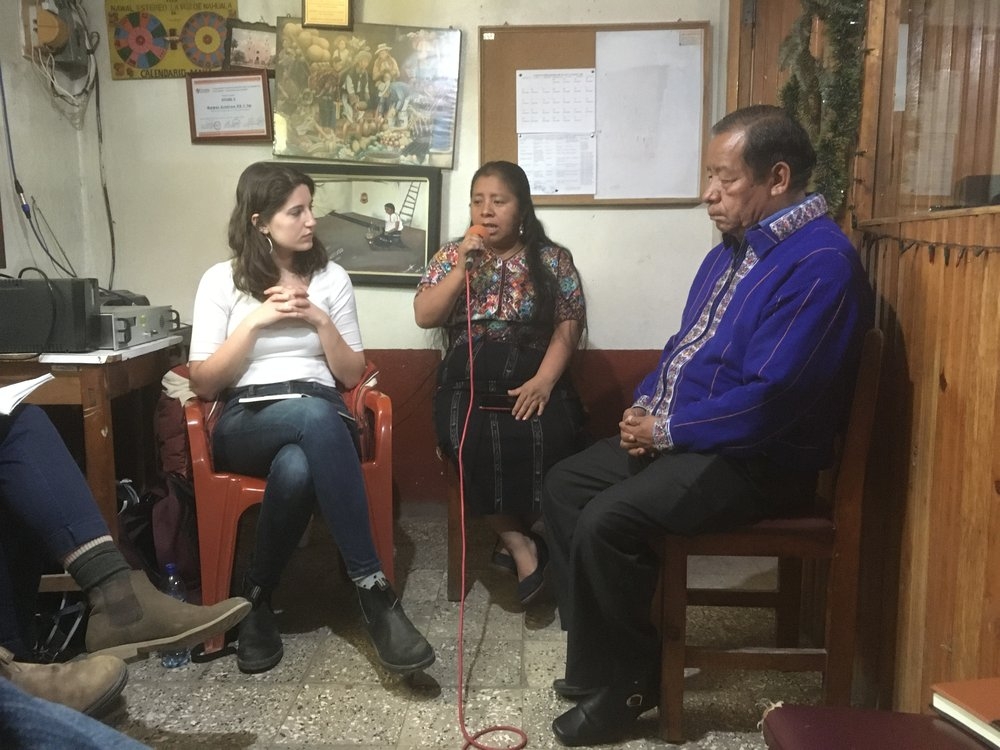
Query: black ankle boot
[605,715]
[400,647]
[259,647]
[568,690]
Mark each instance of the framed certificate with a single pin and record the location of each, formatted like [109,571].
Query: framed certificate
[229,106]
[328,14]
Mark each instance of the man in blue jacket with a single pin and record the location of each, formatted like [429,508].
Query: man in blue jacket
[732,425]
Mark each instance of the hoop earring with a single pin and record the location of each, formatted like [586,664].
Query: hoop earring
[269,243]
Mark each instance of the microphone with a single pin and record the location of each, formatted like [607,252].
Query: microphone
[480,231]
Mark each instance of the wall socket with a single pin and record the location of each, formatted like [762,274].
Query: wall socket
[29,27]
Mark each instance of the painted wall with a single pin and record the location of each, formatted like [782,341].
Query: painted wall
[170,199]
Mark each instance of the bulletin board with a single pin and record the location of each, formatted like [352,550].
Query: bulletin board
[650,88]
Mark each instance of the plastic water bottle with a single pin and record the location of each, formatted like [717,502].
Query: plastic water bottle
[173,585]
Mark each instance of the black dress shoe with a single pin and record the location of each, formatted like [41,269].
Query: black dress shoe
[604,716]
[571,691]
[533,583]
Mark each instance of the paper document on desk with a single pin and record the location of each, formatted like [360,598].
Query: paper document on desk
[13,394]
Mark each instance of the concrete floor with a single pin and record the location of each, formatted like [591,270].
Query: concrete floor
[329,691]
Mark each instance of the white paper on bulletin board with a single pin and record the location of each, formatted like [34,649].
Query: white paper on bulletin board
[649,113]
[555,101]
[555,114]
[558,163]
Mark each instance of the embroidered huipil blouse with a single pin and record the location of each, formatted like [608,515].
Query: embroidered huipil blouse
[770,336]
[503,295]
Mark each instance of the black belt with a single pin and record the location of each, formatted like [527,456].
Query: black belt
[303,387]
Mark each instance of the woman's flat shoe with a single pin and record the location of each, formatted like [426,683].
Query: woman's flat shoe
[532,585]
[502,560]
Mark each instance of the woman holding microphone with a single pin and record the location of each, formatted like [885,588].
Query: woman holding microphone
[525,307]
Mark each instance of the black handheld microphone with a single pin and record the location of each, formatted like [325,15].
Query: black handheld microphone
[480,231]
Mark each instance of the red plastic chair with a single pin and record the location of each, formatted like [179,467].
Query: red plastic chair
[221,497]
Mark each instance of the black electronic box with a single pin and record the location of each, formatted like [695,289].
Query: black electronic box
[49,315]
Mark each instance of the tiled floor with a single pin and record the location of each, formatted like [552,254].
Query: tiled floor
[329,692]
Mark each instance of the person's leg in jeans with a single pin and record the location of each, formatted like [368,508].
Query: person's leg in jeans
[45,501]
[307,454]
[20,573]
[30,722]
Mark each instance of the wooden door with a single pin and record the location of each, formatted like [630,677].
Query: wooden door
[756,31]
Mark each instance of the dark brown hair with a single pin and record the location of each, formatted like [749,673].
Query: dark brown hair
[263,189]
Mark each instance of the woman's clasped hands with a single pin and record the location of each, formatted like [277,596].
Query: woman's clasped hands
[282,302]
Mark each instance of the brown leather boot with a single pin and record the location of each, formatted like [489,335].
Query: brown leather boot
[160,623]
[86,685]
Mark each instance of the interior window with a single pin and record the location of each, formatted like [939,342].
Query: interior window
[946,149]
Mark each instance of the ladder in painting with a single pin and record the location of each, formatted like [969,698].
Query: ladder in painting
[409,203]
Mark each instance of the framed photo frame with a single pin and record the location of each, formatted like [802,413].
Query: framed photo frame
[229,106]
[379,94]
[250,46]
[328,14]
[350,209]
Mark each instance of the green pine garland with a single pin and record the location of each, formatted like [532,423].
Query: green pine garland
[825,95]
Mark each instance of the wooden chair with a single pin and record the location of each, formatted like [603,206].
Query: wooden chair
[221,498]
[833,536]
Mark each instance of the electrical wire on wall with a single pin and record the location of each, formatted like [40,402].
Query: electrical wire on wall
[104,186]
[72,98]
[472,740]
[73,105]
[30,211]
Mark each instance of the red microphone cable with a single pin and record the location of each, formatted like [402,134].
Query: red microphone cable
[472,740]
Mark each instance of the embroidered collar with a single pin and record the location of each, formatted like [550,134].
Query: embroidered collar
[780,225]
[796,217]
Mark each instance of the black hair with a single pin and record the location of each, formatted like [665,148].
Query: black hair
[771,135]
[532,234]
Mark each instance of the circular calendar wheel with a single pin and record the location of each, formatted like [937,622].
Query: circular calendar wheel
[202,39]
[140,40]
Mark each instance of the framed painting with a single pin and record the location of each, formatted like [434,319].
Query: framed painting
[350,205]
[251,46]
[378,94]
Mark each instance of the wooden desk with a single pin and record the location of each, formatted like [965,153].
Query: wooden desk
[90,380]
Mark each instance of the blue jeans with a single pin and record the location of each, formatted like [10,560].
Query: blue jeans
[45,508]
[306,451]
[29,722]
